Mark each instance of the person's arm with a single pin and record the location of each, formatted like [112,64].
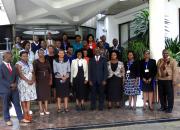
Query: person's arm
[86,70]
[3,81]
[68,70]
[90,68]
[20,74]
[123,72]
[72,71]
[105,72]
[174,71]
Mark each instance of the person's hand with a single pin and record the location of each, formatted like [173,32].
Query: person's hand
[104,83]
[90,83]
[85,82]
[174,84]
[30,82]
[64,79]
[149,80]
[13,86]
[50,82]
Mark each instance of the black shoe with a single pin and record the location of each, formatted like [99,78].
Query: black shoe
[82,107]
[93,109]
[109,107]
[162,109]
[77,108]
[169,111]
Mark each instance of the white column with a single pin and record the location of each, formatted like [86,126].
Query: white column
[157,28]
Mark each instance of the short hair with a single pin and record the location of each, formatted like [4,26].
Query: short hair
[41,49]
[79,51]
[23,52]
[130,51]
[50,46]
[25,43]
[114,51]
[6,53]
[77,36]
[146,51]
[70,47]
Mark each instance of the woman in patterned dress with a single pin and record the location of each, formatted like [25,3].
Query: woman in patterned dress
[132,80]
[26,83]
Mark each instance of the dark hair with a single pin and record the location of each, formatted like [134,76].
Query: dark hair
[114,51]
[69,47]
[146,51]
[25,43]
[130,51]
[79,51]
[57,57]
[50,46]
[6,53]
[77,36]
[41,49]
[23,52]
[90,35]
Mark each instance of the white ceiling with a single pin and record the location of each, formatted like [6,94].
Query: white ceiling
[73,12]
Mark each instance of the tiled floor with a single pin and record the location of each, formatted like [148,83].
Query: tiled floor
[89,118]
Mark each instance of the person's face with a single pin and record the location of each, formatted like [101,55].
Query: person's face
[43,44]
[24,57]
[103,39]
[18,39]
[85,53]
[101,45]
[78,39]
[70,50]
[79,55]
[27,47]
[90,39]
[97,52]
[64,37]
[8,58]
[41,53]
[85,45]
[36,39]
[146,55]
[113,56]
[61,54]
[165,54]
[49,36]
[130,56]
[115,42]
[51,50]
[58,44]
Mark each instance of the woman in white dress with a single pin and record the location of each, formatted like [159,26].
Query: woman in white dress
[26,83]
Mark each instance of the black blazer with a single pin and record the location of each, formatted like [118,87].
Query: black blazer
[98,71]
[6,79]
[134,69]
[151,66]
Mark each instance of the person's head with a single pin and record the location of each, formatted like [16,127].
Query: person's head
[41,53]
[85,45]
[85,52]
[130,55]
[61,54]
[114,55]
[43,44]
[7,56]
[65,37]
[78,38]
[36,38]
[100,44]
[79,54]
[90,38]
[51,49]
[70,50]
[24,56]
[103,38]
[26,45]
[165,54]
[146,54]
[18,39]
[115,42]
[49,35]
[58,44]
[97,51]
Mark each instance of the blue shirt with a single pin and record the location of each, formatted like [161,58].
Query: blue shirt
[77,46]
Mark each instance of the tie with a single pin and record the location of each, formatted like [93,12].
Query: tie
[9,68]
[97,59]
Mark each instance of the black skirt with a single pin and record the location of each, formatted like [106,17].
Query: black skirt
[62,88]
[147,87]
[78,84]
[115,89]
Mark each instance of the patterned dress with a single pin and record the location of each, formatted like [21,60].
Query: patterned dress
[26,92]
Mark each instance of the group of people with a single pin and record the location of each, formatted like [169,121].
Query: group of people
[65,67]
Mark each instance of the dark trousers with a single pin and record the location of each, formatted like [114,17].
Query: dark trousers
[12,96]
[97,90]
[166,93]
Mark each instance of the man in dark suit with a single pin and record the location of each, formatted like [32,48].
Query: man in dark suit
[8,89]
[117,47]
[97,79]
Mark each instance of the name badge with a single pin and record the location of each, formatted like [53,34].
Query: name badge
[128,71]
[146,70]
